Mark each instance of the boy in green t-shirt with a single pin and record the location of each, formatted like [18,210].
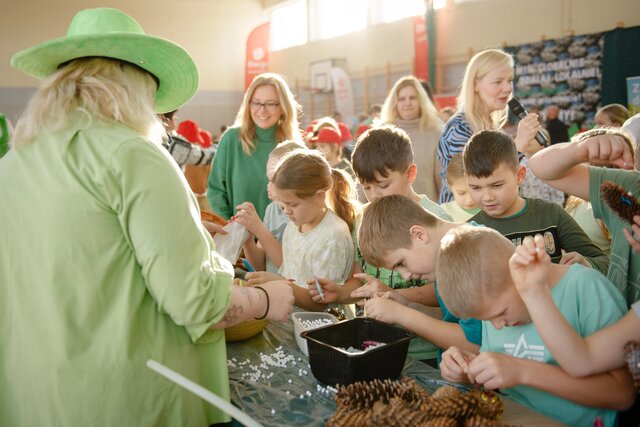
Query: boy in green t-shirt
[494,177]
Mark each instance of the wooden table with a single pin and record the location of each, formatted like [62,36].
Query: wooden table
[287,396]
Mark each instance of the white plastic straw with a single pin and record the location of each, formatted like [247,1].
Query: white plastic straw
[203,393]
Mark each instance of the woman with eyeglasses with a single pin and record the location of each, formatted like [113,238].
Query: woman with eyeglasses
[268,115]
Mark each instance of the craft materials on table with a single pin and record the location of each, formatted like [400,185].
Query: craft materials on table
[404,402]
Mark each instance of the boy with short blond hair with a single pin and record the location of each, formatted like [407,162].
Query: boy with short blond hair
[378,236]
[476,282]
[462,207]
[494,176]
[408,244]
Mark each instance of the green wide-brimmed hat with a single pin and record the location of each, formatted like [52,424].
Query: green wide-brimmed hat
[110,33]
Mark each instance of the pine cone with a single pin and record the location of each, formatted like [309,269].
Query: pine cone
[489,404]
[446,391]
[462,406]
[632,355]
[364,394]
[417,394]
[349,419]
[619,201]
[396,414]
[439,422]
[480,421]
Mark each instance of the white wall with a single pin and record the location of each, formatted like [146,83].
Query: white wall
[213,31]
[462,29]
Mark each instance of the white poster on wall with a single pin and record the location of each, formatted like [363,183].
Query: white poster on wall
[343,93]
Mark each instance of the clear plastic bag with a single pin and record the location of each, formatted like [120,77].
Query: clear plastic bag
[229,245]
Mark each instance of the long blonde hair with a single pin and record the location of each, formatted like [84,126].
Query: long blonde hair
[469,103]
[428,113]
[287,125]
[617,113]
[306,171]
[105,89]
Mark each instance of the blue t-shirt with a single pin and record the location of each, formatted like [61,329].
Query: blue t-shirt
[276,221]
[472,328]
[589,302]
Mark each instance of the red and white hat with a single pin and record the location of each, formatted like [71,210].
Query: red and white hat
[190,131]
[327,135]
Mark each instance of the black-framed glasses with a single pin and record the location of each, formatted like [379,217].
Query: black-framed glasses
[268,106]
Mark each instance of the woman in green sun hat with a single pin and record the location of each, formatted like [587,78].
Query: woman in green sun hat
[105,263]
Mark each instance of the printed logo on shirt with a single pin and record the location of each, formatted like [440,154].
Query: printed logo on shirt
[523,350]
[551,240]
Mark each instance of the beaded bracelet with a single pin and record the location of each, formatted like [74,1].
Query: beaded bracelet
[267,295]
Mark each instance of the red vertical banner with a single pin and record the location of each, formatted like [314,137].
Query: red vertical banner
[446,101]
[421,46]
[257,54]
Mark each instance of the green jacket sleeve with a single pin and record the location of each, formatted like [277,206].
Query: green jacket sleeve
[574,239]
[217,186]
[4,135]
[160,219]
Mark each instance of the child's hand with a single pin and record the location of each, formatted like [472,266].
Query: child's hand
[633,238]
[213,228]
[495,370]
[246,215]
[454,365]
[383,308]
[606,149]
[527,129]
[569,258]
[397,297]
[370,287]
[530,265]
[330,288]
[260,277]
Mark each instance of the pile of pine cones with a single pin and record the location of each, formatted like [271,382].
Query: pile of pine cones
[405,403]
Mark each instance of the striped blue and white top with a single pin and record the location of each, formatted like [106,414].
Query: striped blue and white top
[454,137]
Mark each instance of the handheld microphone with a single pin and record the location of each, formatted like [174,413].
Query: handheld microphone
[518,110]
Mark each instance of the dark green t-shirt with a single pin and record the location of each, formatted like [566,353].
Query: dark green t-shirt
[559,229]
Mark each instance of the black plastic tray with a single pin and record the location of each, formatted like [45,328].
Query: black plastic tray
[332,365]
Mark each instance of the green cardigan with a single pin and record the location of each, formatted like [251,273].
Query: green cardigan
[237,177]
